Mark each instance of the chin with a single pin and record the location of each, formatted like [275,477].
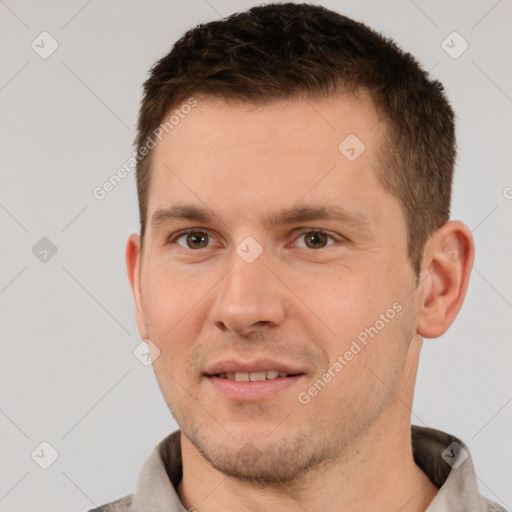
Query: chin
[263,461]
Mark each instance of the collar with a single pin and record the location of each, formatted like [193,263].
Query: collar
[442,457]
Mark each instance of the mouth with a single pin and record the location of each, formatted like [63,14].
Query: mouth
[254,382]
[254,376]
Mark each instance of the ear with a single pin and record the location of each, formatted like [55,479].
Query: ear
[133,266]
[446,267]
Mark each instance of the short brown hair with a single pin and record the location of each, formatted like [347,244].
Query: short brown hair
[290,50]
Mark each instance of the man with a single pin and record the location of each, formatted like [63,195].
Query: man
[294,177]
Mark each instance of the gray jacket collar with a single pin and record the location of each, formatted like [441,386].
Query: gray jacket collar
[442,457]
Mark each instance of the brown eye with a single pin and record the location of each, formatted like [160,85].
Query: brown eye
[197,239]
[316,239]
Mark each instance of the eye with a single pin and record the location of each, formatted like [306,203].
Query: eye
[315,239]
[192,239]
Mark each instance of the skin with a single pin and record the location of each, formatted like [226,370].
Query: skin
[349,448]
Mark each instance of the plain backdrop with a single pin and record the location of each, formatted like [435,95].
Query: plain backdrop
[68,373]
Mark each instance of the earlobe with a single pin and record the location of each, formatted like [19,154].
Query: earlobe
[448,260]
[133,267]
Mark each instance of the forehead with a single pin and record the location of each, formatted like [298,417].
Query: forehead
[304,125]
[263,158]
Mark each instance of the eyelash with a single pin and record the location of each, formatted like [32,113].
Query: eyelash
[302,233]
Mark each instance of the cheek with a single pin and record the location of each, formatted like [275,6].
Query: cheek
[175,305]
[169,293]
[346,304]
[368,353]
[365,309]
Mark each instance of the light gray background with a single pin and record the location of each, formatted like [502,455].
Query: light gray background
[68,374]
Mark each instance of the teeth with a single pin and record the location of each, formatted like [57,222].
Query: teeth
[253,376]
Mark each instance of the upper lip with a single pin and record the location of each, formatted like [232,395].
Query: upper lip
[258,365]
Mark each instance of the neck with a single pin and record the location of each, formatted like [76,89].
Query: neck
[376,472]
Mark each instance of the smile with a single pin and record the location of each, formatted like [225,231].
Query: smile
[253,376]
[253,386]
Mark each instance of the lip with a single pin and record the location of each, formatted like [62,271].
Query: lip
[258,365]
[252,391]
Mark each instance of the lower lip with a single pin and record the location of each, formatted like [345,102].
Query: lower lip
[252,391]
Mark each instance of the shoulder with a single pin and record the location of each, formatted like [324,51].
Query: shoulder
[121,505]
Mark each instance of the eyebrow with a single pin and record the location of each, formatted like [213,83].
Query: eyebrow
[182,212]
[292,215]
[308,213]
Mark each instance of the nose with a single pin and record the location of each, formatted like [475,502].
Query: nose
[250,298]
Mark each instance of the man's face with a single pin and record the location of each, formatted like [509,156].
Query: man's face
[333,263]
